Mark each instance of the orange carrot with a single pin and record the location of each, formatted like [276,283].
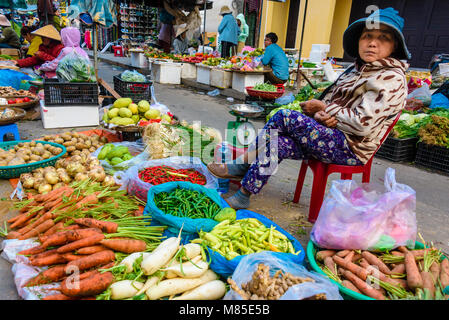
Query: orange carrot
[43,254]
[42,219]
[320,255]
[13,235]
[25,217]
[14,218]
[48,261]
[427,282]
[356,257]
[364,287]
[93,260]
[91,249]
[375,261]
[70,256]
[375,272]
[33,250]
[444,273]
[342,253]
[50,275]
[329,262]
[28,206]
[84,242]
[348,284]
[61,238]
[91,286]
[58,226]
[398,269]
[52,195]
[357,270]
[59,296]
[124,245]
[105,226]
[90,199]
[349,256]
[414,279]
[44,226]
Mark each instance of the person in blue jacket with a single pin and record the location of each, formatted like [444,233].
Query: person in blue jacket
[229,32]
[275,58]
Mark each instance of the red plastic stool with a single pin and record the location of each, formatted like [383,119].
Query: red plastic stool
[322,170]
[118,51]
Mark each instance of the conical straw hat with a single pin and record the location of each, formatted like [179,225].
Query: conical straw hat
[48,31]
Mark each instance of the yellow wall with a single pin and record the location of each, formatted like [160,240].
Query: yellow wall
[340,23]
[326,21]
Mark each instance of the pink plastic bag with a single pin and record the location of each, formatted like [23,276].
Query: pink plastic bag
[367,216]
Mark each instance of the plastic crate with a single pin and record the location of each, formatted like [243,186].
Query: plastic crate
[15,171]
[135,90]
[397,150]
[70,93]
[433,157]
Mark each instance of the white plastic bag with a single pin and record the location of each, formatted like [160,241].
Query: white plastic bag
[130,181]
[135,148]
[423,93]
[367,217]
[248,265]
[156,105]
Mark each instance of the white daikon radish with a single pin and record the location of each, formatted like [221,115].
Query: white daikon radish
[189,270]
[151,281]
[161,255]
[171,287]
[125,289]
[129,260]
[212,290]
[171,274]
[192,250]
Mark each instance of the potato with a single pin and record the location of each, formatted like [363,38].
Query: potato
[47,146]
[66,137]
[32,144]
[35,157]
[68,144]
[39,145]
[88,143]
[92,149]
[71,148]
[3,163]
[75,134]
[56,151]
[59,140]
[81,146]
[46,155]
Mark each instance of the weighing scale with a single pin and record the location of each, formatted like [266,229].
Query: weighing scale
[240,133]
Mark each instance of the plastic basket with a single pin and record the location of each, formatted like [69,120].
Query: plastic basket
[346,293]
[396,150]
[265,94]
[70,93]
[135,90]
[15,171]
[432,157]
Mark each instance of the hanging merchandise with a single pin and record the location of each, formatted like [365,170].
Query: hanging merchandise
[138,22]
[102,11]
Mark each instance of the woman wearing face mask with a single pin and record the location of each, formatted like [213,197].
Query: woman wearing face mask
[346,124]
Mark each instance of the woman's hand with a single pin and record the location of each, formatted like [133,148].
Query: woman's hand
[313,106]
[325,119]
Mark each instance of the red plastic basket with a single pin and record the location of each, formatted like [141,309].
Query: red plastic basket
[268,95]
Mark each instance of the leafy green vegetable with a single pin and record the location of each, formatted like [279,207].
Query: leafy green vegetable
[133,76]
[75,68]
[265,87]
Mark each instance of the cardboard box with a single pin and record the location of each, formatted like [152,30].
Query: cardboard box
[10,52]
[208,42]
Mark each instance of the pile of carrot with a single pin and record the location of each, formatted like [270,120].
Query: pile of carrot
[74,239]
[420,274]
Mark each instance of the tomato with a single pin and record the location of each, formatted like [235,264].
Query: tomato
[26,99]
[11,101]
[19,100]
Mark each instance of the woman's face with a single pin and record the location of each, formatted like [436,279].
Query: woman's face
[376,44]
[46,41]
[267,42]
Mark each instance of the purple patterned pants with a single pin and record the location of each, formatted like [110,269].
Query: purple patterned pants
[299,137]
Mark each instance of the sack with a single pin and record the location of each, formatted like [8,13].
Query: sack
[137,151]
[189,226]
[248,265]
[367,216]
[130,181]
[75,68]
[225,267]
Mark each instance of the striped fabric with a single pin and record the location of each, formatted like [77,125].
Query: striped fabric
[364,102]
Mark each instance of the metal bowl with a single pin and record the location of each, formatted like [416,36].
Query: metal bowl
[246,110]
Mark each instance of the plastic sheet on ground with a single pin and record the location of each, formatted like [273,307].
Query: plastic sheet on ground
[248,265]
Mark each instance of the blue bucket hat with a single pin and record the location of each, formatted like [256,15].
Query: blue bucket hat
[389,17]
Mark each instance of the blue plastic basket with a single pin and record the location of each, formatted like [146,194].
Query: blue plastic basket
[10,172]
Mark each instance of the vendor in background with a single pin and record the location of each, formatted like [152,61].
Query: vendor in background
[275,58]
[49,49]
[229,32]
[71,39]
[181,44]
[33,41]
[244,32]
[166,30]
[346,125]
[9,38]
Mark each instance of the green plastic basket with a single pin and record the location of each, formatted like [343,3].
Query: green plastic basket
[15,171]
[346,293]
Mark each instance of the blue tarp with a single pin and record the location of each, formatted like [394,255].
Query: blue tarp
[11,78]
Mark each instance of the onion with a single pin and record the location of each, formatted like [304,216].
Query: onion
[28,183]
[97,174]
[81,176]
[109,181]
[25,176]
[51,177]
[76,158]
[74,167]
[59,185]
[38,182]
[44,188]
[63,176]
